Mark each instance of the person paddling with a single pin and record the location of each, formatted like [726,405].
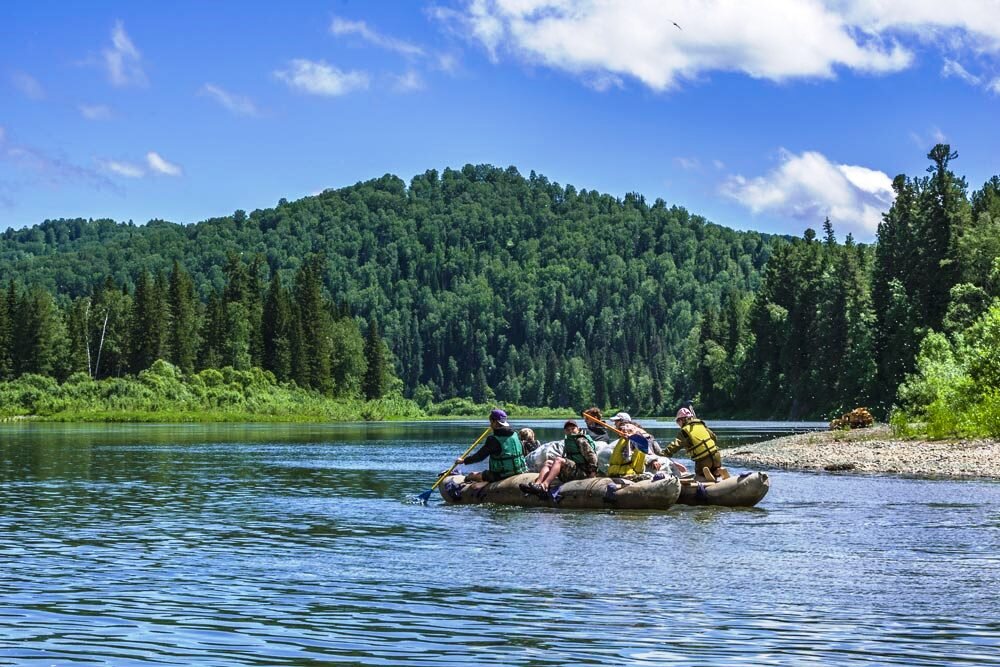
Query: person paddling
[700,444]
[504,450]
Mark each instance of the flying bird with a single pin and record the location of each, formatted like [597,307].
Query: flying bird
[678,25]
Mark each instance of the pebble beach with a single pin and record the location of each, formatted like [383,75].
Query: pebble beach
[872,450]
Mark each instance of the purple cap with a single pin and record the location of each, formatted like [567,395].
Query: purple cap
[498,415]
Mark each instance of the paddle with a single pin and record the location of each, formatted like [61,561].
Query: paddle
[425,496]
[635,438]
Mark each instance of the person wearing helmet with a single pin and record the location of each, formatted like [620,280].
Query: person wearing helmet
[701,445]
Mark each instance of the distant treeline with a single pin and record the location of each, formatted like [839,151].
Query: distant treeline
[484,284]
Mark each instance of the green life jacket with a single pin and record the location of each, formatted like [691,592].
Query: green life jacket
[619,465]
[571,448]
[510,461]
[700,442]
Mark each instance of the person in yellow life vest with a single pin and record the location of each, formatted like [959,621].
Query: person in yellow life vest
[626,459]
[700,444]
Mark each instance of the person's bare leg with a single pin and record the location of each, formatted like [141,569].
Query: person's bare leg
[552,474]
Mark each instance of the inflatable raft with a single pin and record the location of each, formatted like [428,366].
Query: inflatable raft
[745,490]
[594,493]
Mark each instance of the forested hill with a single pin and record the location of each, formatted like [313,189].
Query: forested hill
[484,283]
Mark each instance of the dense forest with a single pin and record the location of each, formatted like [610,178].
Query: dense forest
[482,283]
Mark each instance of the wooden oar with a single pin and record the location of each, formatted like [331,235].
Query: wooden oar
[635,438]
[425,496]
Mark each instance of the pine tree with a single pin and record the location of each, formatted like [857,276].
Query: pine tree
[377,374]
[314,323]
[182,335]
[276,326]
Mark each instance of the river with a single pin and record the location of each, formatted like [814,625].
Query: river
[301,544]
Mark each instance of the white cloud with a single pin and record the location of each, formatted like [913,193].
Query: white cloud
[28,85]
[319,78]
[238,104]
[409,82]
[341,26]
[769,39]
[994,86]
[126,169]
[638,39]
[809,188]
[953,68]
[159,165]
[123,61]
[95,111]
[688,163]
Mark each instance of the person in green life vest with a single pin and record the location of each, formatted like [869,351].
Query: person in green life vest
[579,461]
[700,444]
[502,447]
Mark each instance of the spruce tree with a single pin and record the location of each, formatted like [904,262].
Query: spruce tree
[182,336]
[377,374]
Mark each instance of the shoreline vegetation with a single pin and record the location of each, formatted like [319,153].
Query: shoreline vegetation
[876,450]
[163,394]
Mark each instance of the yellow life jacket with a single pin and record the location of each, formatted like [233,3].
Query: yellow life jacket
[699,442]
[620,466]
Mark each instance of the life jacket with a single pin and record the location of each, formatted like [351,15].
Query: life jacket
[620,466]
[571,448]
[510,461]
[699,442]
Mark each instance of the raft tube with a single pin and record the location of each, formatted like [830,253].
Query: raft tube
[593,493]
[745,490]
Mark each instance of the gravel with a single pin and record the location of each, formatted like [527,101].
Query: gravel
[873,450]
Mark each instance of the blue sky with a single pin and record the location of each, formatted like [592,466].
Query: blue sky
[768,115]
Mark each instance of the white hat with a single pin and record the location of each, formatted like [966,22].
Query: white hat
[622,417]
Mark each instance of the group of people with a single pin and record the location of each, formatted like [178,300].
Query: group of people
[635,455]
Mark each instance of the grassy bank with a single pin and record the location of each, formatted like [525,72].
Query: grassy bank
[164,394]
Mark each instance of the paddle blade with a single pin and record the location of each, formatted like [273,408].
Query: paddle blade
[640,442]
[425,496]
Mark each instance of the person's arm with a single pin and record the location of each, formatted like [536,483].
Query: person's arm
[490,447]
[673,447]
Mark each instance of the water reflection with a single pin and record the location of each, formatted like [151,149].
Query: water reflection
[297,545]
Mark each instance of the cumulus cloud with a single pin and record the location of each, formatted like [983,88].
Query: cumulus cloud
[319,78]
[340,26]
[95,111]
[776,40]
[161,166]
[238,104]
[122,60]
[28,85]
[809,187]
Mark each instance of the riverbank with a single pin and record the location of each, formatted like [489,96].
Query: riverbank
[873,450]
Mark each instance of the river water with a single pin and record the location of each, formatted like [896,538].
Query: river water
[296,545]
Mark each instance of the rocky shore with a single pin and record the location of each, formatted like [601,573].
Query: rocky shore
[872,450]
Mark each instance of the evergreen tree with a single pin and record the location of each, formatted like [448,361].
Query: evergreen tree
[276,325]
[377,374]
[182,335]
